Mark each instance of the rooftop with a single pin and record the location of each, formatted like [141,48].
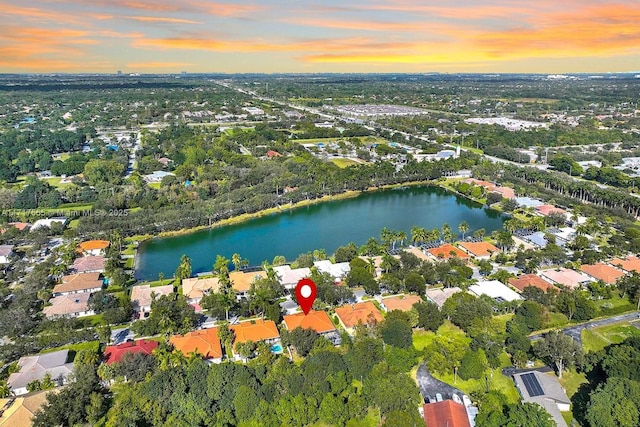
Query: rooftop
[5,250]
[439,296]
[631,263]
[447,251]
[242,281]
[37,366]
[114,353]
[68,304]
[78,282]
[288,276]
[563,276]
[494,289]
[603,272]
[255,330]
[479,249]
[446,414]
[363,312]
[204,342]
[400,302]
[319,321]
[525,280]
[547,210]
[197,287]
[143,293]
[19,411]
[89,263]
[92,245]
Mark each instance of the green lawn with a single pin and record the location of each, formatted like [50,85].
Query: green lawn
[571,381]
[496,381]
[556,319]
[155,185]
[371,420]
[343,163]
[598,338]
[90,345]
[128,263]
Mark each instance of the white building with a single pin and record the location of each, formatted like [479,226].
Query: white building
[289,277]
[337,271]
[494,289]
[5,253]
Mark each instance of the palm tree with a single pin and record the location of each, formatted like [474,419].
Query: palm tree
[161,278]
[446,232]
[236,260]
[434,235]
[386,236]
[418,234]
[463,228]
[479,233]
[402,236]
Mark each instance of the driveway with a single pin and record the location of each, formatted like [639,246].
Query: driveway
[429,386]
[575,331]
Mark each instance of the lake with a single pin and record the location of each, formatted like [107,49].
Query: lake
[321,226]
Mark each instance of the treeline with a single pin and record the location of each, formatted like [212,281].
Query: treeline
[507,153]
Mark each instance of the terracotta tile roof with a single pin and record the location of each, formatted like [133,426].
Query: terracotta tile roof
[242,280]
[401,302]
[525,280]
[69,304]
[91,245]
[319,321]
[486,184]
[78,282]
[255,330]
[415,251]
[630,263]
[19,225]
[364,312]
[204,342]
[142,293]
[197,287]
[603,272]
[89,263]
[549,209]
[479,249]
[446,414]
[506,192]
[114,353]
[445,250]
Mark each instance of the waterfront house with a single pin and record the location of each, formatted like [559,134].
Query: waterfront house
[479,250]
[241,281]
[196,287]
[447,251]
[338,271]
[89,264]
[289,277]
[93,247]
[143,295]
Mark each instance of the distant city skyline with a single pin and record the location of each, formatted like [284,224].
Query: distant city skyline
[197,36]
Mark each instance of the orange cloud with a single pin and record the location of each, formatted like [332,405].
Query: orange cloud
[159,64]
[161,19]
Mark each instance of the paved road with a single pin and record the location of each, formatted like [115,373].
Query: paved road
[575,331]
[429,386]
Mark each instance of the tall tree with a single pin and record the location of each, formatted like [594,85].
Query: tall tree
[560,350]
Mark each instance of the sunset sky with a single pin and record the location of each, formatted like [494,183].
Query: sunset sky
[149,36]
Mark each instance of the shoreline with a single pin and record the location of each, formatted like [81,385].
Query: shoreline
[349,194]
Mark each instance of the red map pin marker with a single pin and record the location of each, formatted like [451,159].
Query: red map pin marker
[306,294]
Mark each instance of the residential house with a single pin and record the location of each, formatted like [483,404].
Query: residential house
[204,342]
[525,280]
[338,271]
[419,253]
[114,353]
[399,302]
[257,330]
[89,264]
[93,247]
[365,313]
[446,414]
[439,296]
[143,295]
[318,321]
[479,250]
[5,253]
[289,277]
[156,176]
[78,283]
[494,289]
[447,251]
[19,411]
[18,225]
[546,391]
[629,264]
[546,210]
[196,287]
[71,305]
[604,272]
[57,364]
[241,281]
[528,202]
[568,278]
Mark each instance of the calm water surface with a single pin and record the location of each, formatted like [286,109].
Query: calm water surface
[322,226]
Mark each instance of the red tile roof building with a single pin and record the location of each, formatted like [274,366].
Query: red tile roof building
[604,272]
[114,353]
[525,280]
[319,321]
[446,414]
[447,251]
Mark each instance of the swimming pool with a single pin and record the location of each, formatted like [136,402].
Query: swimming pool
[276,348]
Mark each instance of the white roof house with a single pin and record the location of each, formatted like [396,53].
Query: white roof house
[289,277]
[47,222]
[494,289]
[5,253]
[37,367]
[157,176]
[337,271]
